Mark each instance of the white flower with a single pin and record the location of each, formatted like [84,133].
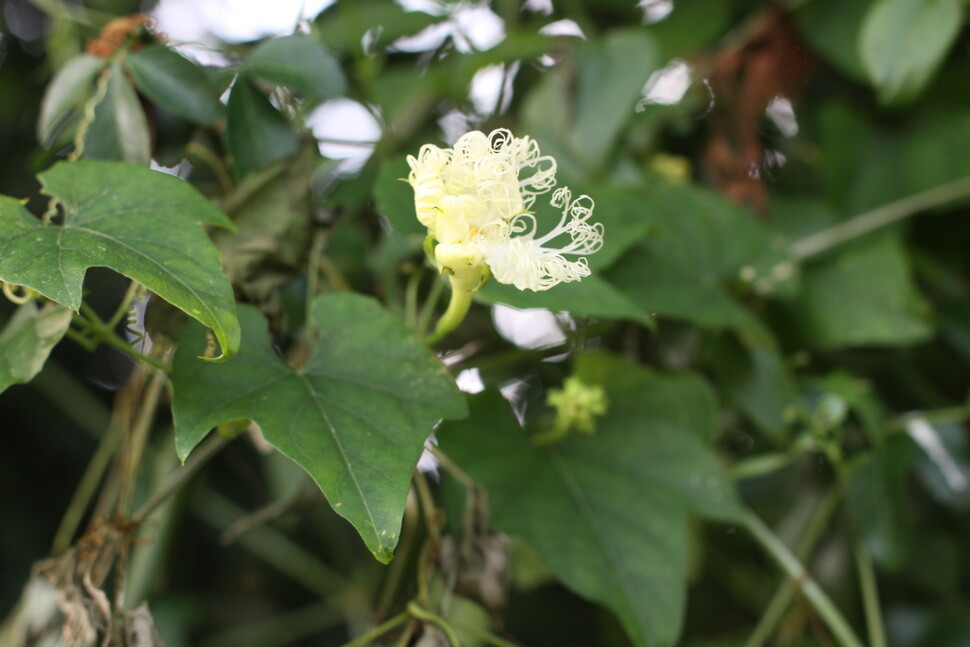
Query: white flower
[475,200]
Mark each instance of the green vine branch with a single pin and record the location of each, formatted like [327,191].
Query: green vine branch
[878,218]
[800,578]
[94,330]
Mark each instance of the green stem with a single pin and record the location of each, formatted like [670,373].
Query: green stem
[137,438]
[411,300]
[313,282]
[785,592]
[764,464]
[870,594]
[180,477]
[461,301]
[877,218]
[409,531]
[81,339]
[280,629]
[215,164]
[450,466]
[367,638]
[421,613]
[483,636]
[122,310]
[276,549]
[428,508]
[92,324]
[86,489]
[424,319]
[778,551]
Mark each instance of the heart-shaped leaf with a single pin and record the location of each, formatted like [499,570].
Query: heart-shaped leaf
[607,511]
[141,223]
[355,416]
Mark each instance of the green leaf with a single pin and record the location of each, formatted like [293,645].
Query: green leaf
[862,295]
[690,26]
[341,28]
[298,62]
[611,76]
[141,223]
[879,503]
[756,379]
[27,340]
[273,213]
[626,218]
[395,199]
[606,512]
[591,297]
[355,416]
[119,130]
[700,242]
[903,42]
[66,93]
[256,134]
[832,29]
[175,83]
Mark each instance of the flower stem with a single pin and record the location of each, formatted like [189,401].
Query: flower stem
[778,551]
[424,317]
[461,301]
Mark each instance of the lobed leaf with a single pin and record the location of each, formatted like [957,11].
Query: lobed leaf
[355,416]
[141,223]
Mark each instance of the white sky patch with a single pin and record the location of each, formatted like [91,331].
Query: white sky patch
[432,7]
[782,114]
[233,21]
[344,120]
[472,26]
[489,85]
[470,381]
[564,27]
[668,85]
[531,328]
[486,88]
[538,6]
[655,10]
[453,125]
